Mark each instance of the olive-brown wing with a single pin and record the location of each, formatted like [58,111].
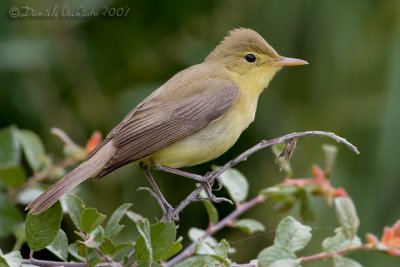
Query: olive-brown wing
[153,127]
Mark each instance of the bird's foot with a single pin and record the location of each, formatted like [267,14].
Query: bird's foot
[208,187]
[210,175]
[168,212]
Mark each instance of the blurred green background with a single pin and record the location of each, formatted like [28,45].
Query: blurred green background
[85,74]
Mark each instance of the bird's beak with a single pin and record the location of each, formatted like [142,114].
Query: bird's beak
[287,61]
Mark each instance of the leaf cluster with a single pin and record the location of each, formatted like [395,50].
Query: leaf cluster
[97,241]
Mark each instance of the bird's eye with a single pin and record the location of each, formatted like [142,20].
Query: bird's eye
[250,58]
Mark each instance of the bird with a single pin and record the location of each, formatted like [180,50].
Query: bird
[193,118]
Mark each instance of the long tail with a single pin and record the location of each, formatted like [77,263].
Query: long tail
[89,168]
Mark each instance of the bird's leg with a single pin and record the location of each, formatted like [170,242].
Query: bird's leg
[192,176]
[156,193]
[201,179]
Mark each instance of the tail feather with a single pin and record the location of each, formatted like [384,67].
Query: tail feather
[89,168]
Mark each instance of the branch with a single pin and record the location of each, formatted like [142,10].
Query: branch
[244,207]
[43,263]
[242,157]
[212,229]
[319,256]
[326,255]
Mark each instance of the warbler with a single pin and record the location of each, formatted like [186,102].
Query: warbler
[194,117]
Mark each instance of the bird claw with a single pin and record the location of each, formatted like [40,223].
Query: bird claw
[168,211]
[217,178]
[220,184]
[221,199]
[208,189]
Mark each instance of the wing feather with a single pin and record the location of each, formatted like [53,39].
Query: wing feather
[152,127]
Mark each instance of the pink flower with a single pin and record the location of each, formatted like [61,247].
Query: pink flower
[390,240]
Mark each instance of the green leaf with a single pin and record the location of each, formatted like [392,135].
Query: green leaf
[217,251]
[135,217]
[33,149]
[330,153]
[273,254]
[199,261]
[126,260]
[75,207]
[90,219]
[211,211]
[292,235]
[340,261]
[174,249]
[236,184]
[59,246]
[306,212]
[125,245]
[108,247]
[222,249]
[12,176]
[155,241]
[195,234]
[221,252]
[42,229]
[143,248]
[339,241]
[249,226]
[10,153]
[84,254]
[113,227]
[283,206]
[203,247]
[12,259]
[20,237]
[95,238]
[78,250]
[285,193]
[10,216]
[347,216]
[286,263]
[284,196]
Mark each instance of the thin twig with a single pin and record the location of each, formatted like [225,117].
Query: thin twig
[44,263]
[322,255]
[263,144]
[326,255]
[212,229]
[64,137]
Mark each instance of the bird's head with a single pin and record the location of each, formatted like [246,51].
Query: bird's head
[246,53]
